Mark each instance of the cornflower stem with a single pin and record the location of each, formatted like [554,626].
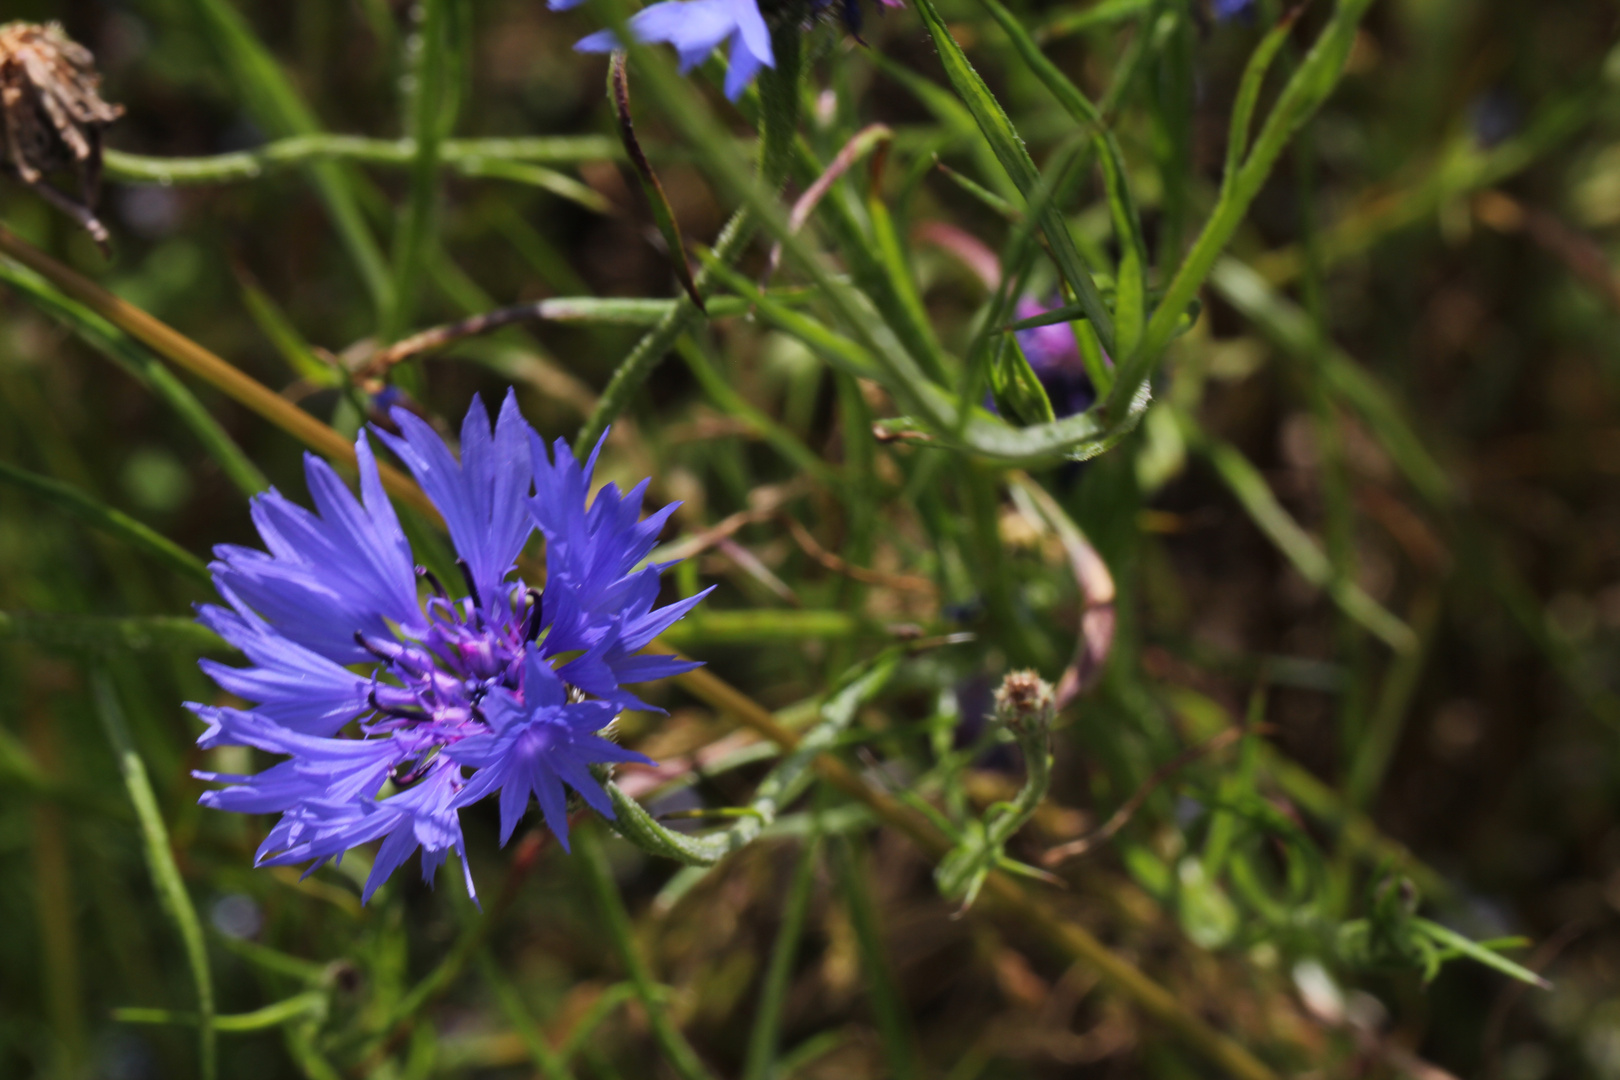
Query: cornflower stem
[1006,898]
[213,369]
[466,156]
[599,876]
[779,121]
[160,861]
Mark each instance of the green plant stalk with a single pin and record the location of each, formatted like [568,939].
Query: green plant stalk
[730,401]
[1304,93]
[779,121]
[547,1061]
[678,1053]
[114,523]
[766,1031]
[160,861]
[272,1015]
[141,365]
[274,102]
[899,1043]
[1009,150]
[431,103]
[1250,489]
[469,157]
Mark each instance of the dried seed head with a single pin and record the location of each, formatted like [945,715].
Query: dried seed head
[52,115]
[1025,702]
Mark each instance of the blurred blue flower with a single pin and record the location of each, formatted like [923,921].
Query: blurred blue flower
[1054,355]
[695,28]
[502,688]
[1226,9]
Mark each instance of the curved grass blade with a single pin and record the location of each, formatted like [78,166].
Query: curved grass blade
[114,523]
[160,861]
[103,633]
[1010,151]
[141,365]
[274,102]
[663,213]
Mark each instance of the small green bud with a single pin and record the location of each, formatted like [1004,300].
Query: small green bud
[1026,703]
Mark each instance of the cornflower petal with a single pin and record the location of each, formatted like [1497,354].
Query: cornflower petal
[481,497]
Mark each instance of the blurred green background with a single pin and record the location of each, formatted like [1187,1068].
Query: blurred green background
[1446,229]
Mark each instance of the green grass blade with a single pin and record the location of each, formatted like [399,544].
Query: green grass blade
[431,104]
[899,1045]
[114,523]
[1252,492]
[1014,158]
[678,1053]
[275,103]
[139,363]
[766,1030]
[160,861]
[103,633]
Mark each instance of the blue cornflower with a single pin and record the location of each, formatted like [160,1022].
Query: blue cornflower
[501,688]
[1226,9]
[696,27]
[1054,355]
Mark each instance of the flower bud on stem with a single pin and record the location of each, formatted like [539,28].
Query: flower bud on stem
[1025,704]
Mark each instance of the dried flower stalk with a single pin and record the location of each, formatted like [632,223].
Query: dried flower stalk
[53,115]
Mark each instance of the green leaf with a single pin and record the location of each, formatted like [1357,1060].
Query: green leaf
[663,213]
[101,633]
[114,523]
[1014,158]
[136,360]
[1016,388]
[276,105]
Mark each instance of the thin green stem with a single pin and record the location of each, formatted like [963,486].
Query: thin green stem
[160,861]
[469,157]
[1304,93]
[779,91]
[762,1039]
[599,877]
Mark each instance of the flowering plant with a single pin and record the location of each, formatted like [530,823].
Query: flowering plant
[499,688]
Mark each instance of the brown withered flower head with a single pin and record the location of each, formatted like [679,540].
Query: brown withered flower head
[53,115]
